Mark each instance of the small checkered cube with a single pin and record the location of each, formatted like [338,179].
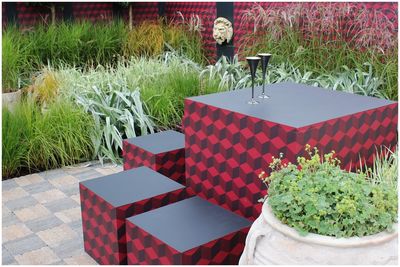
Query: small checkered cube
[193,231]
[163,152]
[107,201]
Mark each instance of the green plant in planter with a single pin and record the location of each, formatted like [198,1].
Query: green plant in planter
[316,196]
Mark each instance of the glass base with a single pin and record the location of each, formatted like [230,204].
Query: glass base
[263,96]
[253,102]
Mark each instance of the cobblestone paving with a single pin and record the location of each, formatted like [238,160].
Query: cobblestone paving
[42,218]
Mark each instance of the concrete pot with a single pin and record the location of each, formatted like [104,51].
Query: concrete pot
[271,242]
[10,99]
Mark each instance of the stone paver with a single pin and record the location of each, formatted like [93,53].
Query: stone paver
[41,216]
[43,255]
[15,231]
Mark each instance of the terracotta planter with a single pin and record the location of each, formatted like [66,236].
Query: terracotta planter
[271,242]
[10,99]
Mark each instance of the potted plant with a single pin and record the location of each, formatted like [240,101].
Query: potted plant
[316,213]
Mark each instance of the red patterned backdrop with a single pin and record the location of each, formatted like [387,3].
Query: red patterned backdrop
[28,15]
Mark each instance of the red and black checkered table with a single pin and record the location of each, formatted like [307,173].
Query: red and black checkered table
[107,201]
[228,142]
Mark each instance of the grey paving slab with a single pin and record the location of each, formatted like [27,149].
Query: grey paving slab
[38,188]
[61,204]
[69,248]
[20,203]
[8,184]
[87,174]
[7,257]
[53,174]
[10,219]
[70,190]
[25,195]
[43,223]
[22,245]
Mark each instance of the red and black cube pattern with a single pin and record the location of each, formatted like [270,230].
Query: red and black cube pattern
[207,12]
[104,224]
[170,163]
[92,11]
[145,249]
[187,236]
[354,137]
[226,150]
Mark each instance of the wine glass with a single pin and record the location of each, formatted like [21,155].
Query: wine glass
[253,63]
[264,64]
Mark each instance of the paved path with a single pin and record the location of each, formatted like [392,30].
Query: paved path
[42,217]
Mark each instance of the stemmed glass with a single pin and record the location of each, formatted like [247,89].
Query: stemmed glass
[253,63]
[264,64]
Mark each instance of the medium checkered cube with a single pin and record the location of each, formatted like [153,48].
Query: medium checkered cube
[193,231]
[163,152]
[107,201]
[229,142]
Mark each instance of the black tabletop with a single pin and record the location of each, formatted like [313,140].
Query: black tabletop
[131,186]
[292,104]
[159,142]
[189,223]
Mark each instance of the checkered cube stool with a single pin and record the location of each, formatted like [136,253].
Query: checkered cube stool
[163,152]
[191,231]
[107,201]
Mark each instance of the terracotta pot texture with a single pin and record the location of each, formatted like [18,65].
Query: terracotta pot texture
[271,242]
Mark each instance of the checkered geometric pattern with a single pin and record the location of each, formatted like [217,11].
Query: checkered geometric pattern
[388,9]
[3,12]
[145,249]
[104,225]
[225,151]
[170,163]
[29,15]
[206,11]
[141,11]
[355,136]
[93,11]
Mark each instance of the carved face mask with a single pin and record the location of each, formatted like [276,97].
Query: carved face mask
[222,30]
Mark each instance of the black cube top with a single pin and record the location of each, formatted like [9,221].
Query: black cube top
[130,186]
[189,223]
[159,142]
[292,104]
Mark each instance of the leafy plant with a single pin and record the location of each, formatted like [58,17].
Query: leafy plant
[118,113]
[14,59]
[322,38]
[316,196]
[385,167]
[34,140]
[45,86]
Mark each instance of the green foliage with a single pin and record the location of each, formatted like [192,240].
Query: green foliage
[118,114]
[39,140]
[322,39]
[79,43]
[385,167]
[15,61]
[164,82]
[318,197]
[233,75]
[16,131]
[153,38]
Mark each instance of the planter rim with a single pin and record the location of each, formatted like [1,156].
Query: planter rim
[312,238]
[12,92]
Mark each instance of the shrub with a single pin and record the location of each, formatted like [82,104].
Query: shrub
[318,197]
[323,37]
[35,140]
[118,113]
[15,62]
